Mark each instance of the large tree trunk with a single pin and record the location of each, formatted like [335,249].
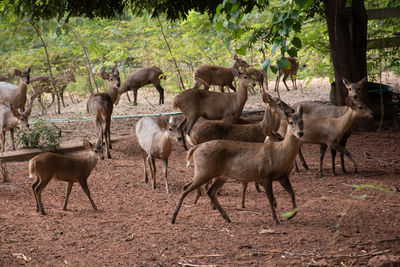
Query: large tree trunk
[348,42]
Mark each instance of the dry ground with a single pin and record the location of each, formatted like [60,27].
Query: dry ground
[335,225]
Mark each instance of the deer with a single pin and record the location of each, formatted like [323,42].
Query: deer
[221,76]
[10,118]
[245,162]
[140,78]
[259,76]
[195,103]
[100,108]
[13,95]
[330,131]
[155,143]
[255,132]
[319,110]
[42,84]
[292,71]
[71,169]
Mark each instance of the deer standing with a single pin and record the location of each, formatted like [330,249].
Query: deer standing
[42,84]
[13,95]
[100,108]
[140,78]
[245,162]
[195,103]
[71,169]
[218,75]
[292,71]
[155,143]
[259,76]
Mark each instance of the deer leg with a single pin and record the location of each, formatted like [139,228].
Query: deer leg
[285,183]
[187,188]
[12,139]
[41,103]
[181,128]
[161,92]
[135,97]
[69,187]
[3,140]
[343,143]
[144,156]
[152,164]
[343,150]
[267,184]
[244,188]
[107,138]
[165,166]
[83,183]
[322,150]
[212,192]
[293,77]
[62,97]
[284,81]
[277,81]
[34,185]
[301,157]
[38,190]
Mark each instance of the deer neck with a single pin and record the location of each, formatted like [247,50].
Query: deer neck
[289,146]
[113,93]
[241,97]
[164,145]
[346,121]
[91,161]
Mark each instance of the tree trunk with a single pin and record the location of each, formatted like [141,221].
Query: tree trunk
[348,44]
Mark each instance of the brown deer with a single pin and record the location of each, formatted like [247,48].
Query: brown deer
[140,78]
[195,103]
[319,110]
[12,95]
[10,118]
[255,132]
[330,131]
[71,169]
[208,75]
[100,108]
[292,71]
[245,162]
[259,76]
[42,84]
[155,143]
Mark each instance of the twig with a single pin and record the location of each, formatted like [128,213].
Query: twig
[353,256]
[379,241]
[195,265]
[145,98]
[205,256]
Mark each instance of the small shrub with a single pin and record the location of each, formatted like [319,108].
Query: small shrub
[39,135]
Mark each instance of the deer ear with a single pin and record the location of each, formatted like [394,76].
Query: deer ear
[266,97]
[235,56]
[171,120]
[300,111]
[362,82]
[347,83]
[161,123]
[86,144]
[28,69]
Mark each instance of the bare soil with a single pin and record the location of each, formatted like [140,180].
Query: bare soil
[336,225]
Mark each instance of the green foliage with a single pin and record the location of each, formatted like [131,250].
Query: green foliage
[372,186]
[39,135]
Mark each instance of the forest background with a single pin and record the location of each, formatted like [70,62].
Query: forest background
[134,41]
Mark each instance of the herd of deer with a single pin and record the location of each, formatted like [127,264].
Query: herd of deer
[223,145]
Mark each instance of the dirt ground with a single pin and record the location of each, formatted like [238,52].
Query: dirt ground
[335,224]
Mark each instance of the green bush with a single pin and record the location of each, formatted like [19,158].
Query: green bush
[39,135]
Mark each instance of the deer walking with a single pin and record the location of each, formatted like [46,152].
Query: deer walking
[47,166]
[245,162]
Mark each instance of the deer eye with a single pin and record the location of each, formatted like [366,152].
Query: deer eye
[291,123]
[360,107]
[170,129]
